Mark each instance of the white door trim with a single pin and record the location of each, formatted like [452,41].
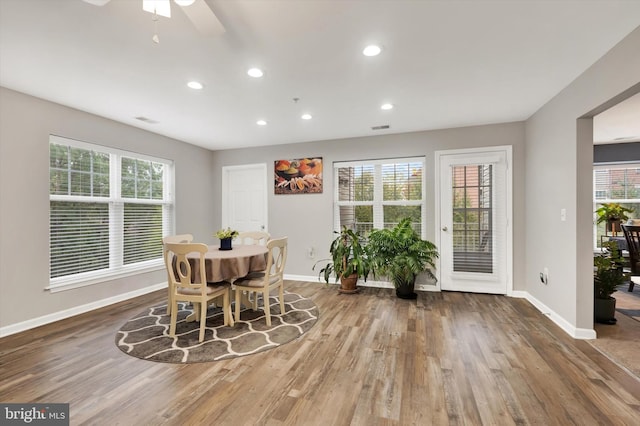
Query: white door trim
[225,191]
[508,151]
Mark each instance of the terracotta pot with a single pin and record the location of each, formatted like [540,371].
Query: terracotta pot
[613,226]
[348,285]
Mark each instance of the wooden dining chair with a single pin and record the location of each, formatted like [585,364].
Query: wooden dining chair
[632,235]
[254,237]
[264,282]
[182,238]
[188,288]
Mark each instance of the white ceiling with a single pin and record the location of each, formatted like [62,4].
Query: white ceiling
[618,124]
[444,63]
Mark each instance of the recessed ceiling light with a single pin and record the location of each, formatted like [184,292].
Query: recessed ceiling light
[255,72]
[261,123]
[371,50]
[386,106]
[195,85]
[184,2]
[306,116]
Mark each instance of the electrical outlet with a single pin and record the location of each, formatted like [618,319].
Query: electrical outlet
[544,276]
[311,253]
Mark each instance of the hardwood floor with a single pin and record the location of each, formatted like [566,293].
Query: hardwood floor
[447,359]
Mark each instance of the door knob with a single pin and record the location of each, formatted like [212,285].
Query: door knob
[445,229]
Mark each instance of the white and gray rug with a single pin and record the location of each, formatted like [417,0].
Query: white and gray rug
[146,335]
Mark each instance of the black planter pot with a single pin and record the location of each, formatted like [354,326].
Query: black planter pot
[225,244]
[406,291]
[604,310]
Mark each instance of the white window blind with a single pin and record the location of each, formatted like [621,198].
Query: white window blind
[473,230]
[109,210]
[379,193]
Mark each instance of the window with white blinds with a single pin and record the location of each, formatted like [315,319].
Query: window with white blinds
[379,193]
[109,210]
[615,183]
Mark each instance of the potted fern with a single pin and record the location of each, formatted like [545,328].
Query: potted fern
[348,261]
[400,254]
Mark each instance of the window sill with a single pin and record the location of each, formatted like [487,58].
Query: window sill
[84,280]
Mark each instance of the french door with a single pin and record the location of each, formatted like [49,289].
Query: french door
[473,231]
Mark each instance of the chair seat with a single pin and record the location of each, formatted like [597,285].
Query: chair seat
[254,281]
[211,288]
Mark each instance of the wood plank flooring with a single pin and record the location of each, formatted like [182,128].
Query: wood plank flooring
[371,359]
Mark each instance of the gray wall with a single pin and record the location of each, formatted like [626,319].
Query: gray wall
[559,164]
[24,200]
[307,219]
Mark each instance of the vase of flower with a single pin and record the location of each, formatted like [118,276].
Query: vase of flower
[226,236]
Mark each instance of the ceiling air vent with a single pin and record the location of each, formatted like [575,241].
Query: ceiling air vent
[386,126]
[146,120]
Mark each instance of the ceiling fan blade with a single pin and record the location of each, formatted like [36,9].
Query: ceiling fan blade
[97,2]
[203,18]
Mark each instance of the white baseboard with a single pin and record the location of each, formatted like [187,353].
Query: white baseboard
[309,278]
[361,283]
[77,310]
[576,333]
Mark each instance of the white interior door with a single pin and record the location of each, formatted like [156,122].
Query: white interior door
[474,223]
[244,197]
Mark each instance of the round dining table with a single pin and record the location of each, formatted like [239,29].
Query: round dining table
[229,265]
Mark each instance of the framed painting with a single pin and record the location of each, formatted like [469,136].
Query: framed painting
[298,176]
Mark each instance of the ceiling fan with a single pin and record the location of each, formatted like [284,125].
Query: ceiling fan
[198,12]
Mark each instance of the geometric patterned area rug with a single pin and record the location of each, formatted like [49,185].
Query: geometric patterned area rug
[146,335]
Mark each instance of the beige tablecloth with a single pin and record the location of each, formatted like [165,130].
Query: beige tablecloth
[228,265]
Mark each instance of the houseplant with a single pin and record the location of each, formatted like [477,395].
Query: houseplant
[226,235]
[348,261]
[400,254]
[607,276]
[613,214]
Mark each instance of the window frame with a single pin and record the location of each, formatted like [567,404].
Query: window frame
[116,205]
[596,201]
[378,201]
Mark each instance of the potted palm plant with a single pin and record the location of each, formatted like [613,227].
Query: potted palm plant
[607,276]
[348,261]
[400,254]
[613,214]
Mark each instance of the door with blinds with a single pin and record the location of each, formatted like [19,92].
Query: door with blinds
[474,222]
